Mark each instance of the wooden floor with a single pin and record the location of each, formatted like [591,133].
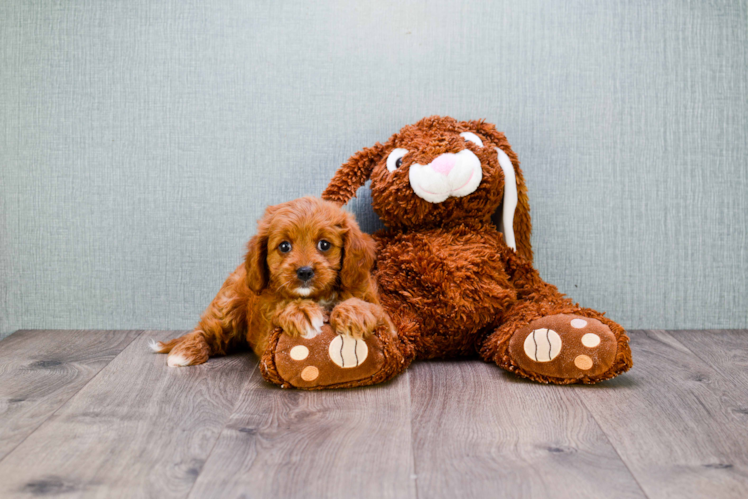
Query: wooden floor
[94,414]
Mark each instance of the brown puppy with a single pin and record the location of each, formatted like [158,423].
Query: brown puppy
[309,261]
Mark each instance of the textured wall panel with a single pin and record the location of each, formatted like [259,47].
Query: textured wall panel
[140,141]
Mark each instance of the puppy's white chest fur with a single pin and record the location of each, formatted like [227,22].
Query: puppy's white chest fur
[328,302]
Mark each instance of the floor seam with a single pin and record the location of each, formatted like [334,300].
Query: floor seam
[228,419]
[696,354]
[607,438]
[71,396]
[412,441]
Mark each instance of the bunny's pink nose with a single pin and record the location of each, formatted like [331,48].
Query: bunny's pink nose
[444,163]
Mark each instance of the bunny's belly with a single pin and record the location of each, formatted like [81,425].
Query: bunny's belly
[452,282]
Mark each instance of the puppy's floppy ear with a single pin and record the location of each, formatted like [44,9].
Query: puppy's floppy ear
[359,251]
[255,262]
[352,175]
[517,193]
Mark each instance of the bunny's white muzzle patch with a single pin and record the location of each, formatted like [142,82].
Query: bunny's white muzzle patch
[448,175]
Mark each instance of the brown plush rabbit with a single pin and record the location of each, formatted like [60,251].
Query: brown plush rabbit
[451,281]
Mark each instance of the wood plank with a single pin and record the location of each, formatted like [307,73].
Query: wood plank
[482,432]
[328,444]
[42,369]
[677,423]
[724,350]
[139,429]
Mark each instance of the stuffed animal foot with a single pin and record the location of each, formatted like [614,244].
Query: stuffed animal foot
[565,348]
[330,360]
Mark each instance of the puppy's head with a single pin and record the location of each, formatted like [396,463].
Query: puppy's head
[308,248]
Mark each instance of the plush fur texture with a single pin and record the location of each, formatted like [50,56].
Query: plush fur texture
[266,291]
[446,277]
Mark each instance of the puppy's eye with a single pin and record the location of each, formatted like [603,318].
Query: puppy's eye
[284,247]
[469,136]
[324,245]
[395,159]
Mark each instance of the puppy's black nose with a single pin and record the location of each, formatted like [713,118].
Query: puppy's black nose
[305,273]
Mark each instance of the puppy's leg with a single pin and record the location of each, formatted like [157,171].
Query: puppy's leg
[357,318]
[219,326]
[190,349]
[300,318]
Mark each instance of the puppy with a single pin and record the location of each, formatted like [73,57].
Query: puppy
[308,262]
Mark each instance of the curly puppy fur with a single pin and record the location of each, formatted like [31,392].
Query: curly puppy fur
[448,280]
[268,291]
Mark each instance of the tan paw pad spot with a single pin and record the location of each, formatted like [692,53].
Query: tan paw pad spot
[583,362]
[299,352]
[309,373]
[590,340]
[578,323]
[542,345]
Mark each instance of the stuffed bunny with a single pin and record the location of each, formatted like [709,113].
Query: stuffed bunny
[452,282]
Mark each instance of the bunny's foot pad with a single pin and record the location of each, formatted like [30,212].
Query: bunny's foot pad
[565,347]
[329,360]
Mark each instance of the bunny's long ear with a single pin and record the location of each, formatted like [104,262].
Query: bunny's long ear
[522,222]
[352,175]
[514,212]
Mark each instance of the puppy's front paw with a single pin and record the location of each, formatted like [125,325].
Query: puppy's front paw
[302,318]
[354,317]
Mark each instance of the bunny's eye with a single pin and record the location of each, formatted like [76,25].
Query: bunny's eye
[395,159]
[469,136]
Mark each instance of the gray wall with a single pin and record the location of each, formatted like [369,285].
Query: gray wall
[140,141]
